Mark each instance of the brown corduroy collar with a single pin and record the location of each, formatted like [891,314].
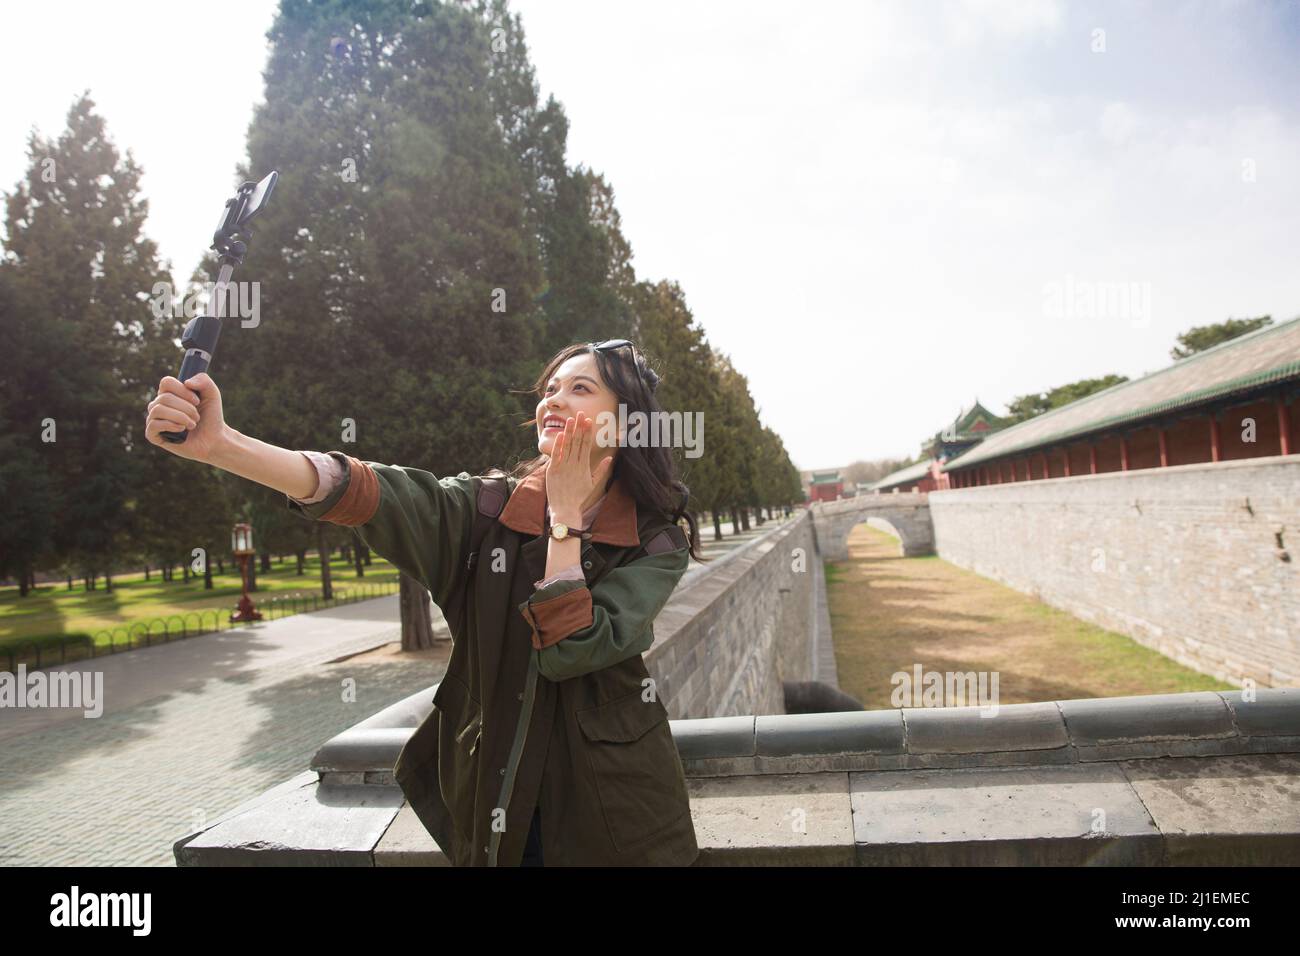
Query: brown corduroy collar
[615,523]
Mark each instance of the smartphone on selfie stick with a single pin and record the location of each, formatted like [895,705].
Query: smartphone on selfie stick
[199,339]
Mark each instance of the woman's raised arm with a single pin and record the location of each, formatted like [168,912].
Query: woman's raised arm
[212,441]
[410,517]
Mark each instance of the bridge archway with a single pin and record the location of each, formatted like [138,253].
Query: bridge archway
[908,515]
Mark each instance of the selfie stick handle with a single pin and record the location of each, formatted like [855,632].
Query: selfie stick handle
[199,340]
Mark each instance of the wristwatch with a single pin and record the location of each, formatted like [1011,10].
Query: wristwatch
[560,531]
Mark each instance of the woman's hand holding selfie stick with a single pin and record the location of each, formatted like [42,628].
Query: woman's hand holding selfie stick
[192,401]
[199,339]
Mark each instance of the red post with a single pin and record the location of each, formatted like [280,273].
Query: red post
[1092,459]
[1284,426]
[1123,453]
[1067,461]
[1164,450]
[1216,448]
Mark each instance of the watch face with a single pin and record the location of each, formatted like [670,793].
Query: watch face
[559,530]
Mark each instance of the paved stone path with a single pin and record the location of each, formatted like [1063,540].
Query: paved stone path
[189,730]
[195,727]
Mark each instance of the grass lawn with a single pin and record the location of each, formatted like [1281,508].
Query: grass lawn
[889,614]
[52,611]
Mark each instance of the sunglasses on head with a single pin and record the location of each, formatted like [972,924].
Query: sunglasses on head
[611,345]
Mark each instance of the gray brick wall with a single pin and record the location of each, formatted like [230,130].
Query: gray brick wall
[1185,560]
[724,645]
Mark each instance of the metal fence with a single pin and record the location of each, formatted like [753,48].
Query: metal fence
[161,630]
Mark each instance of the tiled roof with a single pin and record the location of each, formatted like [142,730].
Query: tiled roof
[1265,356]
[904,475]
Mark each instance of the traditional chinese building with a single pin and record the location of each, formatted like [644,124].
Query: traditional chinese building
[1236,400]
[825,486]
[963,433]
[966,431]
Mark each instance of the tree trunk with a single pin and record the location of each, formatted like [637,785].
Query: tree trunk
[207,575]
[417,614]
[266,562]
[108,581]
[717,526]
[301,555]
[744,517]
[366,552]
[185,572]
[146,572]
[69,581]
[357,562]
[221,566]
[327,587]
[22,582]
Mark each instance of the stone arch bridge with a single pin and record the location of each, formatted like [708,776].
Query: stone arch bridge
[908,514]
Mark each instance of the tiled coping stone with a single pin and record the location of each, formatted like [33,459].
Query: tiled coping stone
[1194,778]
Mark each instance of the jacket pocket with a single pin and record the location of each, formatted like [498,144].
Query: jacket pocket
[459,738]
[637,770]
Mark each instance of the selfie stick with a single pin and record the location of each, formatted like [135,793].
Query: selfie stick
[199,339]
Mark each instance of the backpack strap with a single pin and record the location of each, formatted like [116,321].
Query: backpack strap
[670,538]
[491,498]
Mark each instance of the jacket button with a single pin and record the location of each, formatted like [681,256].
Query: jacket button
[503,771]
[521,696]
[587,565]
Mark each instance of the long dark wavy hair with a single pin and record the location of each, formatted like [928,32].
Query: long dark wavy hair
[648,472]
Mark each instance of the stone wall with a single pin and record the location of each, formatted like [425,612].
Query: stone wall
[725,644]
[1200,562]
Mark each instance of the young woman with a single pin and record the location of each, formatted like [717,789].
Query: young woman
[547,739]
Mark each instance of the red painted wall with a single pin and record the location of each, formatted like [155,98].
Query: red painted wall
[1187,442]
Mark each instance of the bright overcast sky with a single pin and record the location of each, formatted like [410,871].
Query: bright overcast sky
[881,211]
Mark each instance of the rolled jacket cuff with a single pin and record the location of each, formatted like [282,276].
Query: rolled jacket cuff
[556,611]
[360,498]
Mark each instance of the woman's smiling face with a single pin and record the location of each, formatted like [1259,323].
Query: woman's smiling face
[575,386]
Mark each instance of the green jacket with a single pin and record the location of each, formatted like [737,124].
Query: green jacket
[546,700]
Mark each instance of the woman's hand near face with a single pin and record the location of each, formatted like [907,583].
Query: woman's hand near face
[569,480]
